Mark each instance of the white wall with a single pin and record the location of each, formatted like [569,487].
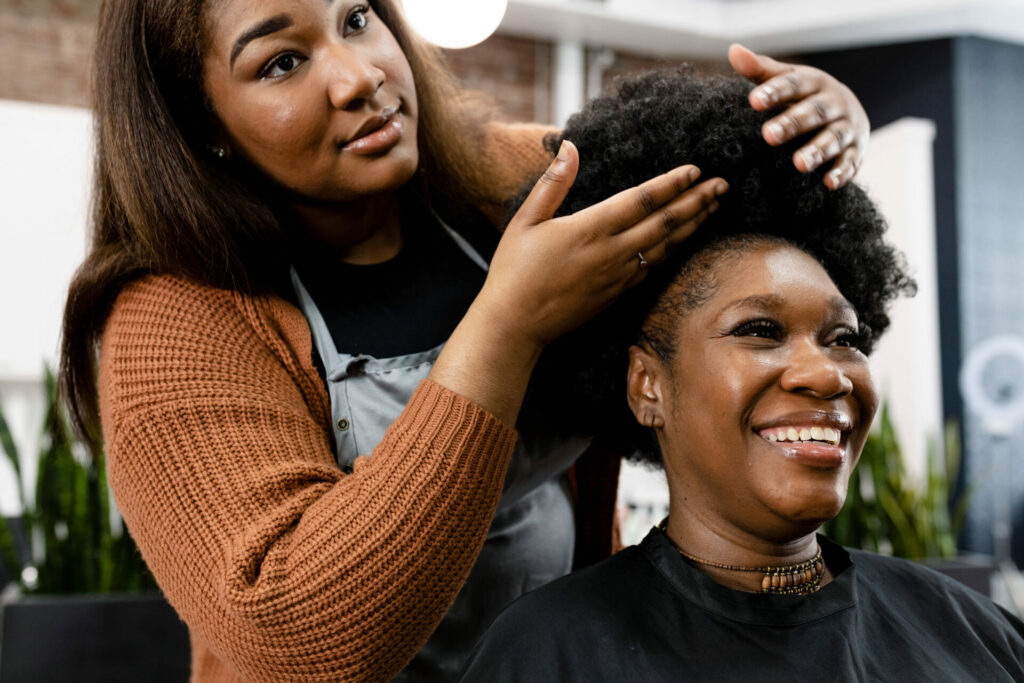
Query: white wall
[44,190]
[898,175]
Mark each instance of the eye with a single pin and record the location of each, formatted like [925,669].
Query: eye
[848,338]
[356,20]
[761,328]
[281,65]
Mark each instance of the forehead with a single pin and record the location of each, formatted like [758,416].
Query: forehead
[784,275]
[230,16]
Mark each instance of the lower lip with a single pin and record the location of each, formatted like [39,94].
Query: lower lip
[380,140]
[812,454]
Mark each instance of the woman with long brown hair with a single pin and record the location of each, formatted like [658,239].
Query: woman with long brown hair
[274,292]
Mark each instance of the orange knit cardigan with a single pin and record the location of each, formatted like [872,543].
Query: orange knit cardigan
[217,431]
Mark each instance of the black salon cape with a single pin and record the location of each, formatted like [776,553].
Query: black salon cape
[646,615]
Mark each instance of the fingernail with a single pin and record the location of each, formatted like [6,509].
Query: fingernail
[693,174]
[836,176]
[713,207]
[775,131]
[721,188]
[765,95]
[563,153]
[811,158]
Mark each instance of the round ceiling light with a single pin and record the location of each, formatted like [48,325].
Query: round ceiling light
[455,23]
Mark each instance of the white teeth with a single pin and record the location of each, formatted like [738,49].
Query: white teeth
[826,434]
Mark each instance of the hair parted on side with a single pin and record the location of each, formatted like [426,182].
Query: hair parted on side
[655,122]
[162,203]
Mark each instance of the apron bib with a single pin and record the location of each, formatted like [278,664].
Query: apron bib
[530,541]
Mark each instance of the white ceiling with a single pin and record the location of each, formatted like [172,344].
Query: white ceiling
[704,28]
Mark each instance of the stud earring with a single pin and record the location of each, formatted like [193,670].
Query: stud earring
[218,151]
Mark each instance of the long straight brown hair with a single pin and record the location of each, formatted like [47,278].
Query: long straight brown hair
[163,204]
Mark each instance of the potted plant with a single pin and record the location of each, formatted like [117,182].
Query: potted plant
[888,512]
[82,605]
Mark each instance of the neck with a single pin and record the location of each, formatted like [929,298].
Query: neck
[362,232]
[700,537]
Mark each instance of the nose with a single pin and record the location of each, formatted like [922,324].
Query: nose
[811,370]
[351,77]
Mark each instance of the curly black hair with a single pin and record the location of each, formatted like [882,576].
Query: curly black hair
[649,125]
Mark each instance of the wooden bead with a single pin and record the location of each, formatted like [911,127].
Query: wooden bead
[784,581]
[775,582]
[766,583]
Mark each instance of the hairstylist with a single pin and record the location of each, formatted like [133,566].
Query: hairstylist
[269,289]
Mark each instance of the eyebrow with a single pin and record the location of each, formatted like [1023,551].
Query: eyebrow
[264,28]
[838,304]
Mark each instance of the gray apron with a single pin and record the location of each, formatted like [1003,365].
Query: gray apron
[530,541]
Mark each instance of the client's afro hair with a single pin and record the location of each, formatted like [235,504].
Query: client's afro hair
[649,125]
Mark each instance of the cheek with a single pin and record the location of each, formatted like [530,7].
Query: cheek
[277,129]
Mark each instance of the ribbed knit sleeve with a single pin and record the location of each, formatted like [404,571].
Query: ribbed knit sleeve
[515,155]
[218,449]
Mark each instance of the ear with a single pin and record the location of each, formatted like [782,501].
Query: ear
[645,383]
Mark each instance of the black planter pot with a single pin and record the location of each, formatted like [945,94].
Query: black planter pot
[108,638]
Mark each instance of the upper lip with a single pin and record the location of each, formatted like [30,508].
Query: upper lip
[811,418]
[376,121]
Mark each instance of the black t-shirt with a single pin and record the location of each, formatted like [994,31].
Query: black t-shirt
[408,304]
[647,615]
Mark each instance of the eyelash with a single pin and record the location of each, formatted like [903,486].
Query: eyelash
[265,71]
[764,328]
[360,11]
[761,328]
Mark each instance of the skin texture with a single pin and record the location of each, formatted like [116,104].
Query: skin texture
[773,345]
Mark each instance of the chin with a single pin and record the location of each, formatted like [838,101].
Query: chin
[809,507]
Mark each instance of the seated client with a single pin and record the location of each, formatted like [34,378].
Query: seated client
[740,365]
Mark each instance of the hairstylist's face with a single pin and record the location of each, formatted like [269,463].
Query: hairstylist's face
[316,95]
[763,411]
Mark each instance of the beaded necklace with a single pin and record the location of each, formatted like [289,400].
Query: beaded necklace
[802,578]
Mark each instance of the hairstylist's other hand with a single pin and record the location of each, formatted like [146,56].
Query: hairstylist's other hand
[816,103]
[549,275]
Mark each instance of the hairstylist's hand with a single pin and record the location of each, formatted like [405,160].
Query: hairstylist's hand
[817,103]
[551,274]
[548,275]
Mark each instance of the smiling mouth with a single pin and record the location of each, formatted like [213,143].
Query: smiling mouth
[805,434]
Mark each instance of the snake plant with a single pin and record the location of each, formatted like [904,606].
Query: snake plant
[73,546]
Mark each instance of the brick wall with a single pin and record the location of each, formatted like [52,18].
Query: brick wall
[46,50]
[515,72]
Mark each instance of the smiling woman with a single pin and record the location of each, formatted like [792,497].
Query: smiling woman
[306,342]
[741,367]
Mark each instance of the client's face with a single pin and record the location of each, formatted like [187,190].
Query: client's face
[766,404]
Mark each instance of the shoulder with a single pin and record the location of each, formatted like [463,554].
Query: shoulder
[903,585]
[171,339]
[556,627]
